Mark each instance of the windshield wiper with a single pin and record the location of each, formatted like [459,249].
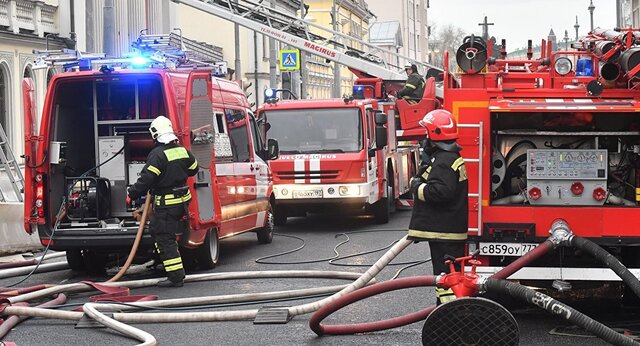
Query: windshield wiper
[290,152]
[336,150]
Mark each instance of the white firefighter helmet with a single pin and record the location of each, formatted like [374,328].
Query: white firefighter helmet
[161,130]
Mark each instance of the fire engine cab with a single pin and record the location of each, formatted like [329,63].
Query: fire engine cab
[558,137]
[340,153]
[93,139]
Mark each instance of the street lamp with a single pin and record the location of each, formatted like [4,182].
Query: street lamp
[591,8]
[337,85]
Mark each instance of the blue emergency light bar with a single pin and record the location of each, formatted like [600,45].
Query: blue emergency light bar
[584,67]
[358,92]
[270,94]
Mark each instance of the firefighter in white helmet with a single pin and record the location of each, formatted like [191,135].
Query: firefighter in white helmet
[165,175]
[440,188]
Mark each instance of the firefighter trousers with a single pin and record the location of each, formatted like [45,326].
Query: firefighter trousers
[164,225]
[439,249]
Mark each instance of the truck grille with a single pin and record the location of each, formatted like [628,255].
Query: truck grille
[292,175]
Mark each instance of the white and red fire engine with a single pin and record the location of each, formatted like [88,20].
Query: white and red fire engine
[338,153]
[92,141]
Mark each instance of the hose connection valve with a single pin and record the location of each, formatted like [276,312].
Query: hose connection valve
[560,233]
[463,284]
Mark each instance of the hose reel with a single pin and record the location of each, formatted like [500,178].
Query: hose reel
[472,322]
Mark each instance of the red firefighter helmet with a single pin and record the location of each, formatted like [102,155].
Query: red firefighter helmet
[440,125]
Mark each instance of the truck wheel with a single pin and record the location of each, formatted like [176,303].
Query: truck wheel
[265,234]
[280,216]
[75,261]
[382,208]
[207,254]
[94,262]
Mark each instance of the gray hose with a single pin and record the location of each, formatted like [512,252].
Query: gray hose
[613,199]
[557,308]
[609,260]
[513,199]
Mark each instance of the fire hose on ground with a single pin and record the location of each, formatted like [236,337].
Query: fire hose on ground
[348,294]
[360,281]
[469,284]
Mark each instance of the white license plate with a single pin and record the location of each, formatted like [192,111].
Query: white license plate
[308,193]
[505,249]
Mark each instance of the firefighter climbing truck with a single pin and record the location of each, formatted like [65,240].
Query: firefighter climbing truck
[93,141]
[340,153]
[558,136]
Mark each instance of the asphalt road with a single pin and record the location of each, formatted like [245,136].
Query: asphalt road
[320,234]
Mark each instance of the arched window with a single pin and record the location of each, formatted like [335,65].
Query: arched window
[4,96]
[28,72]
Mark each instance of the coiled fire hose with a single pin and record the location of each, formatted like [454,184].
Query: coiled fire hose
[136,242]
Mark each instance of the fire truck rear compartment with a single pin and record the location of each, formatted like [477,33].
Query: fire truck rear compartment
[103,127]
[565,158]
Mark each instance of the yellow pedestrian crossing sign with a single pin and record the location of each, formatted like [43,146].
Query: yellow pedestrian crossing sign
[289,60]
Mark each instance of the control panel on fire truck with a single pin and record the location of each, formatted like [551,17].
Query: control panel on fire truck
[567,176]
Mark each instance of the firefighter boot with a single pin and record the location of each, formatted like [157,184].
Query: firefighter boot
[169,283]
[444,295]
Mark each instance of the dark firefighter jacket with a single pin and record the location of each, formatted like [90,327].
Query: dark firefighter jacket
[413,88]
[168,167]
[440,209]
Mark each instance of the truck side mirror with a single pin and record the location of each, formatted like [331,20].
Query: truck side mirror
[381,117]
[381,137]
[273,151]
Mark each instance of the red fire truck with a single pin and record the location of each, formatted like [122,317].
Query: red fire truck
[551,137]
[334,151]
[92,142]
[337,153]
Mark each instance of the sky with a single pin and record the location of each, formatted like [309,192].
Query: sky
[520,20]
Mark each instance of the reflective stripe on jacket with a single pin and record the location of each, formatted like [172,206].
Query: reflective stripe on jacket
[168,167]
[440,210]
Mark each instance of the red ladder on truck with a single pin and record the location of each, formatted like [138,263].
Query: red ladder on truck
[335,46]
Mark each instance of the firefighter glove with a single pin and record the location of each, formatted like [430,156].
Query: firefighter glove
[416,182]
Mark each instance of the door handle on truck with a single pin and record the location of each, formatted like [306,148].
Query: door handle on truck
[197,185]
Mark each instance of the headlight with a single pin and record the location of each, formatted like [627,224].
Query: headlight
[349,190]
[563,66]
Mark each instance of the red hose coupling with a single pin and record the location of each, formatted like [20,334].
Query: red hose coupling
[463,284]
[535,193]
[599,194]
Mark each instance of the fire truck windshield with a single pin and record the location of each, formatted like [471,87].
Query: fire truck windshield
[330,130]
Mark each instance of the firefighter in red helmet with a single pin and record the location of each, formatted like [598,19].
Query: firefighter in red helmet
[440,188]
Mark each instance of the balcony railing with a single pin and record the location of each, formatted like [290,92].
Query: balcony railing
[30,16]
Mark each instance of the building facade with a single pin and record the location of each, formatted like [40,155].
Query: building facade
[353,18]
[412,15]
[26,25]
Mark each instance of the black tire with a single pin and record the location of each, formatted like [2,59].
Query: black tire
[265,234]
[207,254]
[391,191]
[75,260]
[94,262]
[382,209]
[280,216]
